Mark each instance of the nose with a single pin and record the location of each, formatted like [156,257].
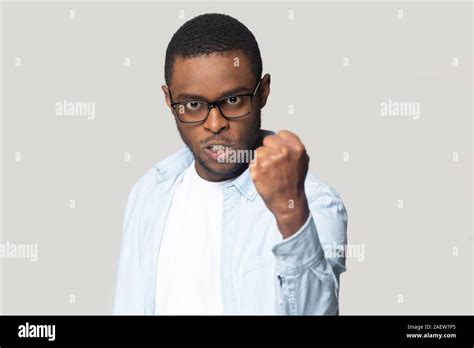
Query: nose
[215,121]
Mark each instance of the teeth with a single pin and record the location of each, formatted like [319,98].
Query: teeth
[216,148]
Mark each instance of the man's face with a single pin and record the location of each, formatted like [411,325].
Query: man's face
[208,78]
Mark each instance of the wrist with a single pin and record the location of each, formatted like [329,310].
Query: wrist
[290,220]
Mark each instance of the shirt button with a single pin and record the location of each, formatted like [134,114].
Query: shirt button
[236,251]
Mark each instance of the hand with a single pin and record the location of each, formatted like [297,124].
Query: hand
[278,172]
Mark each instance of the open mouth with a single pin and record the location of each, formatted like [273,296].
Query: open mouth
[217,152]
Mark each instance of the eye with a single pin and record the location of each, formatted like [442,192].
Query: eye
[193,105]
[234,100]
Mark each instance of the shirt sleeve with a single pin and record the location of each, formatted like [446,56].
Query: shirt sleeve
[307,280]
[129,292]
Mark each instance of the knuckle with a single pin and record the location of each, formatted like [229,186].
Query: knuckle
[284,151]
[268,140]
[299,148]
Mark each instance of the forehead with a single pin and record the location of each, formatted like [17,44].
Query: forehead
[209,75]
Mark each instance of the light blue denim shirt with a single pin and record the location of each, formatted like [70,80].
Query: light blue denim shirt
[261,273]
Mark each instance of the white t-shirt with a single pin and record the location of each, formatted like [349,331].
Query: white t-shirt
[188,272]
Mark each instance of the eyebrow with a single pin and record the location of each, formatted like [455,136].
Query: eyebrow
[233,91]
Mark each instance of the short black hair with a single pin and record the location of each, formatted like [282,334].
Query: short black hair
[209,33]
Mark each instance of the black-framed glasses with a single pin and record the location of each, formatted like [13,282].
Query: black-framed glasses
[231,107]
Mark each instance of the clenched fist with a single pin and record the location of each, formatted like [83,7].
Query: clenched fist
[278,172]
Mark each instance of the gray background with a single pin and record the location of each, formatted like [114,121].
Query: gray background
[407,251]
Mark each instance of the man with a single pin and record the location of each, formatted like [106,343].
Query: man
[205,233]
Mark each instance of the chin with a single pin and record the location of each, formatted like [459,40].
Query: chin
[224,170]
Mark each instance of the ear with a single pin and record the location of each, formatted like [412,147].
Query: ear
[264,90]
[167,95]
